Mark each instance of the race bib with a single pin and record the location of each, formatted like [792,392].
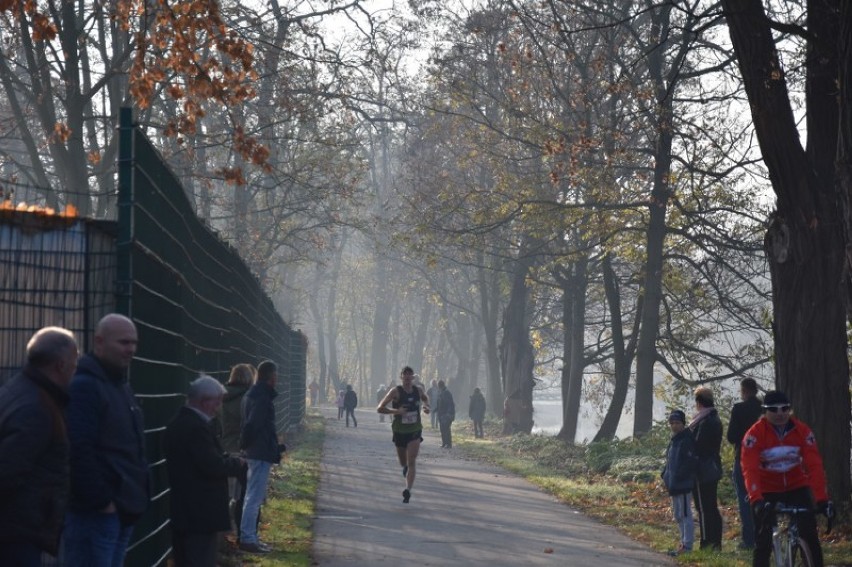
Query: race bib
[410,417]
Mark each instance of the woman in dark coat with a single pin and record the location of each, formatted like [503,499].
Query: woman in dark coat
[707,431]
[476,411]
[241,378]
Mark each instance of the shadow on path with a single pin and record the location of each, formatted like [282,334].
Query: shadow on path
[462,512]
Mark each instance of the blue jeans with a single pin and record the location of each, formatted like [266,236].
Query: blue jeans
[746,514]
[258,476]
[95,540]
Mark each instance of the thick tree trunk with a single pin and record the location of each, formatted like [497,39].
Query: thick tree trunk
[622,354]
[517,352]
[805,242]
[381,321]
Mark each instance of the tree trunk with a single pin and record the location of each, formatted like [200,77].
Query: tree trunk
[517,352]
[805,243]
[416,359]
[622,354]
[652,294]
[574,320]
[489,299]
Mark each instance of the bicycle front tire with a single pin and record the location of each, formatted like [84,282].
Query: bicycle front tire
[802,556]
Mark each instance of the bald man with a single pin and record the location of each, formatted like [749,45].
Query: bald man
[34,449]
[109,471]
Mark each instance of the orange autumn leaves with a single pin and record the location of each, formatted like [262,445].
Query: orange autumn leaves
[183,50]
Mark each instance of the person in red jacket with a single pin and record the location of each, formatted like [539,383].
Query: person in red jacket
[781,463]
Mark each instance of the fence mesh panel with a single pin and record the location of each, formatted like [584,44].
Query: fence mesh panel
[198,309]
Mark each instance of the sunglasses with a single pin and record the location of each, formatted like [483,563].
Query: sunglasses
[775,409]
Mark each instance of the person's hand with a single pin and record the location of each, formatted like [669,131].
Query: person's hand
[762,509]
[109,509]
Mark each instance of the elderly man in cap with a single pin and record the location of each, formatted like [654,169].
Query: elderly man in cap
[781,463]
[198,474]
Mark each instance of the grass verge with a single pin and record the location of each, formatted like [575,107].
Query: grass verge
[625,490]
[287,516]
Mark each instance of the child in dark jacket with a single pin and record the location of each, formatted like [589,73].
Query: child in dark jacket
[679,478]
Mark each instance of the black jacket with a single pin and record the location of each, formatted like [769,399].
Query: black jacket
[258,439]
[446,405]
[476,409]
[33,461]
[708,443]
[743,415]
[106,433]
[198,474]
[350,400]
[681,464]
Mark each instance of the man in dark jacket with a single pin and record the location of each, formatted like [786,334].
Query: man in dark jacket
[743,416]
[109,470]
[198,476]
[34,449]
[350,402]
[259,445]
[476,411]
[446,414]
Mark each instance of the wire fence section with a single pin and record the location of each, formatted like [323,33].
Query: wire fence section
[198,309]
[54,270]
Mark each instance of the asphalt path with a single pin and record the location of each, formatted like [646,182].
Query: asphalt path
[462,512]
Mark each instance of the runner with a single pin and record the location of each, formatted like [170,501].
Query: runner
[406,401]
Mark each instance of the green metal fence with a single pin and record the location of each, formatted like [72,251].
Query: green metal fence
[198,309]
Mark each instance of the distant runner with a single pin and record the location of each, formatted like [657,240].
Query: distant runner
[406,401]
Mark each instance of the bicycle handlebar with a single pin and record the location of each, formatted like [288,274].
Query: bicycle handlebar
[781,508]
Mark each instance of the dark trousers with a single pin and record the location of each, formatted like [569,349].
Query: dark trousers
[800,497]
[709,518]
[194,549]
[351,412]
[446,423]
[746,514]
[477,428]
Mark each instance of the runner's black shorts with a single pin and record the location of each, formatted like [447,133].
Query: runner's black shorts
[403,439]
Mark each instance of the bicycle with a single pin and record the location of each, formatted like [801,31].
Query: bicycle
[788,548]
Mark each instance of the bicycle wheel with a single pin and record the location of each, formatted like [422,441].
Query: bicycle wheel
[802,556]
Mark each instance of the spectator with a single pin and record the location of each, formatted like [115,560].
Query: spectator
[339,402]
[781,463]
[198,471]
[446,415]
[259,443]
[34,449]
[350,402]
[432,393]
[476,411]
[240,380]
[743,416]
[109,471]
[313,388]
[679,478]
[706,429]
[380,393]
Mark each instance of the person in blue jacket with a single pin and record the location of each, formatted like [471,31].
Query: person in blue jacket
[679,478]
[259,444]
[109,471]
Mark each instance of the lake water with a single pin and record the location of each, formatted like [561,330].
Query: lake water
[548,421]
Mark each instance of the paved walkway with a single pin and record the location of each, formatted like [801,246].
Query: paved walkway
[462,513]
